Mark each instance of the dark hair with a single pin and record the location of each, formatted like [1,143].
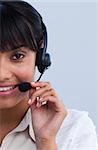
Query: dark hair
[20,25]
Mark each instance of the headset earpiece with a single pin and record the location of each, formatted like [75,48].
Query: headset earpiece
[43,60]
[46,62]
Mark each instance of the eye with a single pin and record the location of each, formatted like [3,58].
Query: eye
[17,56]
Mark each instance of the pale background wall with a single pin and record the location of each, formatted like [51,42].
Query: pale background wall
[73,44]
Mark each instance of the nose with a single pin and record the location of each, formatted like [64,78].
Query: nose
[5,71]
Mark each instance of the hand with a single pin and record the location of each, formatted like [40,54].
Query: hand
[48,111]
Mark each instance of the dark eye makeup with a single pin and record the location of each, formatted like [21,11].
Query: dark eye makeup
[18,55]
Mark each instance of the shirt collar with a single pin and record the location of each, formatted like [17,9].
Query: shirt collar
[26,122]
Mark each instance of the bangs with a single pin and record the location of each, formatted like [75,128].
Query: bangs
[16,31]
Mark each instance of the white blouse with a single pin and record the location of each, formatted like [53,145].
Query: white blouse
[77,132]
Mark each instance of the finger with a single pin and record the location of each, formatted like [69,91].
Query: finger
[41,100]
[42,94]
[40,84]
[40,91]
[56,104]
[40,103]
[50,92]
[31,92]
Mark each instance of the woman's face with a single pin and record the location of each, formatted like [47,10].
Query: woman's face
[15,67]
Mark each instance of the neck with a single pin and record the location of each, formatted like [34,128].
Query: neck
[10,118]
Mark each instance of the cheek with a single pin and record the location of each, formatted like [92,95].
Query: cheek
[25,73]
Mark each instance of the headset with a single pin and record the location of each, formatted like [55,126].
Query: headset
[43,60]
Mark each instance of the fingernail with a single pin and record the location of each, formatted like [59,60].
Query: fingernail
[33,82]
[41,99]
[37,98]
[29,101]
[37,88]
[44,102]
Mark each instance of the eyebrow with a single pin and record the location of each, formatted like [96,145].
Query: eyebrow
[18,47]
[25,48]
[17,50]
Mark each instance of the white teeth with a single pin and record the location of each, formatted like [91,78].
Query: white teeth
[6,88]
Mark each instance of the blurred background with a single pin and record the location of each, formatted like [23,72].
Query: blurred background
[73,44]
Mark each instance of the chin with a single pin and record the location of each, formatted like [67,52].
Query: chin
[7,104]
[11,103]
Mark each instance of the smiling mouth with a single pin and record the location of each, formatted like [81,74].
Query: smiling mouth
[8,88]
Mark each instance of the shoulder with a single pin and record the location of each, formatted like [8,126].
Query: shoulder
[75,128]
[77,119]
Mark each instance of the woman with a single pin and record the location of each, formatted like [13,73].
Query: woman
[34,118]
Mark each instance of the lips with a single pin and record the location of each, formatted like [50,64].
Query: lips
[6,88]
